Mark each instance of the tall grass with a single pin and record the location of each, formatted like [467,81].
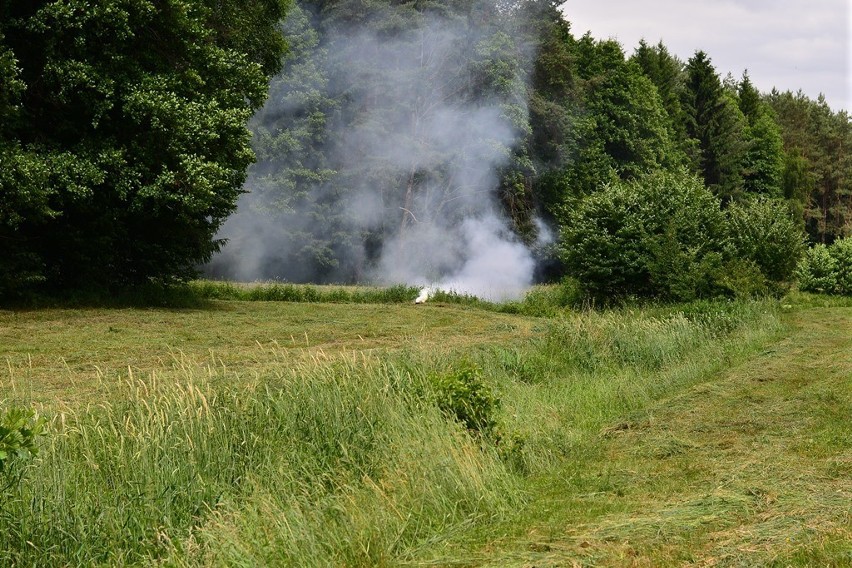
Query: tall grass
[286,292]
[350,462]
[543,300]
[595,370]
[343,464]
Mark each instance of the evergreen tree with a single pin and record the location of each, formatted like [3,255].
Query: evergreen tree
[763,162]
[749,99]
[554,101]
[291,187]
[667,73]
[425,101]
[818,165]
[621,123]
[714,120]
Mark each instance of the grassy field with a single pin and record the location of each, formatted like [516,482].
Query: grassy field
[335,429]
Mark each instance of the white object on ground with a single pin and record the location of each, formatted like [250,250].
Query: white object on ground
[425,292]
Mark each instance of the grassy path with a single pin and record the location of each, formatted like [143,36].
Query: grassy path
[752,469]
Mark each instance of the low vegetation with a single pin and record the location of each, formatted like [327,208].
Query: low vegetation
[666,236]
[828,269]
[257,433]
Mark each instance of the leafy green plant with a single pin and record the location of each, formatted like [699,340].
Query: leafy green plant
[817,271]
[762,231]
[19,429]
[841,252]
[463,395]
[742,278]
[640,238]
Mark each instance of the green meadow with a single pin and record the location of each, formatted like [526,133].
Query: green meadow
[319,426]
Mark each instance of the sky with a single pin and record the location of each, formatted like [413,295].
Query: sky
[787,44]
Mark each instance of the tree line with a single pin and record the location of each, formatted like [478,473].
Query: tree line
[124,145]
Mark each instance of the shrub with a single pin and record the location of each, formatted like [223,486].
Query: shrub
[841,252]
[763,231]
[463,395]
[817,271]
[741,278]
[18,432]
[660,235]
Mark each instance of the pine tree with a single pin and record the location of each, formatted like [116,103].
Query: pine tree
[714,121]
[749,99]
[818,164]
[667,73]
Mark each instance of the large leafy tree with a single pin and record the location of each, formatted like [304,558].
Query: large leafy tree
[123,140]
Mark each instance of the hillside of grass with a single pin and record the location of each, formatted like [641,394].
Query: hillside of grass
[346,432]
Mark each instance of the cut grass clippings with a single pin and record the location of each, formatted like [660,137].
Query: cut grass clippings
[753,468]
[317,433]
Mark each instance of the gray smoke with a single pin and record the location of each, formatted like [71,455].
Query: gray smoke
[427,121]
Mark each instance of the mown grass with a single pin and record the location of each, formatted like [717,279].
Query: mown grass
[312,434]
[750,469]
[80,354]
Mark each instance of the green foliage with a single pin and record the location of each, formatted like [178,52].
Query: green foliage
[463,395]
[763,163]
[818,168]
[546,300]
[715,122]
[818,270]
[827,269]
[796,183]
[19,431]
[618,126]
[123,142]
[657,236]
[749,100]
[762,231]
[667,73]
[665,236]
[742,278]
[841,251]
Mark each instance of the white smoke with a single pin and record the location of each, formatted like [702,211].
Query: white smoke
[495,267]
[425,293]
[431,160]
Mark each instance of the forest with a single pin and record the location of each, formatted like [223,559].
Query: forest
[386,142]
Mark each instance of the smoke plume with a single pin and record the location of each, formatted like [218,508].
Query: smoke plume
[380,154]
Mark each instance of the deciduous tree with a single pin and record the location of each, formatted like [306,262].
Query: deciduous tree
[124,143]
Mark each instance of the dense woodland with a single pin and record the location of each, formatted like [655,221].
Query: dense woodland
[124,145]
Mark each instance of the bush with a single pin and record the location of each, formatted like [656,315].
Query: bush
[661,235]
[18,432]
[741,278]
[763,231]
[827,269]
[463,395]
[817,271]
[841,252]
